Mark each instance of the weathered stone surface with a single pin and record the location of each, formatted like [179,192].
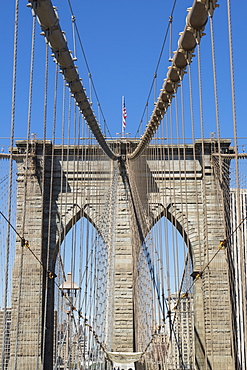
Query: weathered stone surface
[93,181]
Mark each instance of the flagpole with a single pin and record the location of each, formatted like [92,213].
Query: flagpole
[122,116]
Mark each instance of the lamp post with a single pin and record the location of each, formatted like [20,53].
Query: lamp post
[69,288]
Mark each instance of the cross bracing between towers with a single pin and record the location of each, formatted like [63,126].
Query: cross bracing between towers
[125,252]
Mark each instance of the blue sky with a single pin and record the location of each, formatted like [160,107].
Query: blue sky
[122,43]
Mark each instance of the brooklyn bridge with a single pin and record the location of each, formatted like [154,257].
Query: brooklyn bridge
[126,250]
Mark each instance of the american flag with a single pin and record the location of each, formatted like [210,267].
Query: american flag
[124,114]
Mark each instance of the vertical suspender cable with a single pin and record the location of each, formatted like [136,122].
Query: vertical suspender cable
[31,80]
[61,273]
[220,164]
[49,231]
[90,88]
[74,38]
[27,165]
[155,87]
[216,98]
[239,236]
[200,92]
[215,80]
[194,158]
[204,200]
[14,77]
[170,26]
[74,200]
[44,146]
[220,161]
[196,192]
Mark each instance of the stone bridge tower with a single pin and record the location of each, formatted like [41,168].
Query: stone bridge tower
[45,217]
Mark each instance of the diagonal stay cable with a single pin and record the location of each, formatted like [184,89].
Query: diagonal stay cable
[87,65]
[52,275]
[24,243]
[222,245]
[49,23]
[189,39]
[157,65]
